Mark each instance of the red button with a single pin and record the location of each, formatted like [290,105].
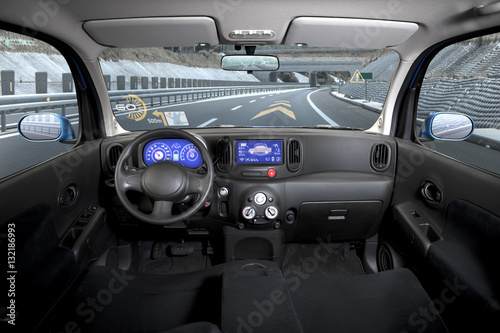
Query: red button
[271,173]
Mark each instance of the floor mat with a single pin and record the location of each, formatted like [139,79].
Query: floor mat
[325,259]
[156,258]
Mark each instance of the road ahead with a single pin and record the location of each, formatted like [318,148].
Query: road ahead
[303,107]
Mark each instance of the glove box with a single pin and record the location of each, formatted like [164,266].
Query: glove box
[338,220]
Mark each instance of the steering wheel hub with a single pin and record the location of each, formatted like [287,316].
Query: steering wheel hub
[164,181]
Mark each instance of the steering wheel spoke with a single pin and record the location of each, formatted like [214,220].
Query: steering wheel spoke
[132,179]
[162,210]
[197,182]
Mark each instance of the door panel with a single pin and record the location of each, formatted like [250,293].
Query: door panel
[454,240]
[37,207]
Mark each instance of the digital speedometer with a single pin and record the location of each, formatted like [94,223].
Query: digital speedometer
[176,150]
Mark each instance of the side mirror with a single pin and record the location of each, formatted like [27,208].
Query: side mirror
[45,127]
[447,126]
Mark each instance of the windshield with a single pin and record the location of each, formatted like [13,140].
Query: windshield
[186,86]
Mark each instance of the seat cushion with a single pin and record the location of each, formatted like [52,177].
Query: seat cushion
[390,301]
[255,299]
[113,300]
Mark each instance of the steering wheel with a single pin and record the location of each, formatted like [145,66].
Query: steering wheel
[164,182]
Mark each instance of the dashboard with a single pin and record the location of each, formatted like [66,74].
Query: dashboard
[304,183]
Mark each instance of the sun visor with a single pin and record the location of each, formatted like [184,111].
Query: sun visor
[153,32]
[348,33]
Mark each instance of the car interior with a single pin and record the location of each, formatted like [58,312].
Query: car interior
[285,220]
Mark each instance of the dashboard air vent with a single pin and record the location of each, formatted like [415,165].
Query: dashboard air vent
[114,153]
[294,155]
[224,162]
[380,158]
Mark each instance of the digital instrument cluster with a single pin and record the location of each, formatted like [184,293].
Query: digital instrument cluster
[260,152]
[176,150]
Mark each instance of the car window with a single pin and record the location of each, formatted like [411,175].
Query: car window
[35,80]
[186,86]
[465,78]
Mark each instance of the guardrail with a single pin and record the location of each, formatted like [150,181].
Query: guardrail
[155,97]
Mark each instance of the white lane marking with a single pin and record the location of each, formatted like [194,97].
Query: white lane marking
[253,100]
[263,97]
[236,107]
[207,122]
[318,111]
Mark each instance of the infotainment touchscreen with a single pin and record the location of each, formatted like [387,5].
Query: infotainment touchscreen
[259,152]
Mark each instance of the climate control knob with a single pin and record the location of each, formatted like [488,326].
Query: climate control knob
[260,198]
[271,212]
[248,212]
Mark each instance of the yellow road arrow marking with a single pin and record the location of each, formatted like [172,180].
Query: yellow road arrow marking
[285,103]
[162,116]
[279,108]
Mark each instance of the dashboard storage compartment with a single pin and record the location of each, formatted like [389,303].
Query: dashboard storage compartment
[252,244]
[337,220]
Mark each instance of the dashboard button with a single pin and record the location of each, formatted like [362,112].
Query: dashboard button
[271,173]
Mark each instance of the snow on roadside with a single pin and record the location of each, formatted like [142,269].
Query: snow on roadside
[27,64]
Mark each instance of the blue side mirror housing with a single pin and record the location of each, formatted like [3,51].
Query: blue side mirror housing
[45,127]
[447,126]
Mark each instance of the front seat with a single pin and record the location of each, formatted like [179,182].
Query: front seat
[257,297]
[113,300]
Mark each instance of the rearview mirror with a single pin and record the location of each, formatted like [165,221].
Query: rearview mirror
[45,127]
[250,63]
[447,126]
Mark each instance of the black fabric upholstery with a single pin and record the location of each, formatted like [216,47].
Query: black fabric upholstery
[44,270]
[112,300]
[201,327]
[256,299]
[391,301]
[467,257]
